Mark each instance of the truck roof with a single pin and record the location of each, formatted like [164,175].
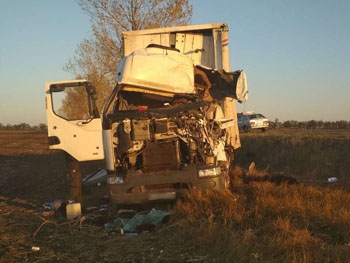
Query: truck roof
[175,29]
[157,69]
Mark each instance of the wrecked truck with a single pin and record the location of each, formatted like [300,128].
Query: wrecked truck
[170,123]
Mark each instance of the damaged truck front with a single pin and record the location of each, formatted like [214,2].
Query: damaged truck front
[170,122]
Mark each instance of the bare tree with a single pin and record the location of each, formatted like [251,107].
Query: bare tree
[96,58]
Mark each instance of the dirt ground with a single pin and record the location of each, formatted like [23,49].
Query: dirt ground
[31,175]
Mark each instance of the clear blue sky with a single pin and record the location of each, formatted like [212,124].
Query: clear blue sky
[296,54]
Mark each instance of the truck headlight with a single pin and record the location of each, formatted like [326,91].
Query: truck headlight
[209,172]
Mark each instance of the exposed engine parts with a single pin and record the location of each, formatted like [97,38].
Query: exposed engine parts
[168,143]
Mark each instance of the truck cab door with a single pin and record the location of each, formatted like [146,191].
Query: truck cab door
[74,124]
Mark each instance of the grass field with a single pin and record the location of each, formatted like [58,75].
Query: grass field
[282,220]
[310,156]
[265,217]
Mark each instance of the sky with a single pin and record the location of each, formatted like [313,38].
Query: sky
[296,54]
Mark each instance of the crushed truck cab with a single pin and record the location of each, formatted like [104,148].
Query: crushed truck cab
[170,123]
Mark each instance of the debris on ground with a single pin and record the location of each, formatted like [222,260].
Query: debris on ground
[146,221]
[328,181]
[54,205]
[73,210]
[50,208]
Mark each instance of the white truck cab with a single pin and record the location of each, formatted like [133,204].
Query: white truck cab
[170,123]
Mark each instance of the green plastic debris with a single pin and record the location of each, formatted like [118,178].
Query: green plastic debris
[154,217]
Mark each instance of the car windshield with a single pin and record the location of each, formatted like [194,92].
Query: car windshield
[259,116]
[251,116]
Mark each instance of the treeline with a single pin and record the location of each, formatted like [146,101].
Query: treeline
[24,127]
[313,124]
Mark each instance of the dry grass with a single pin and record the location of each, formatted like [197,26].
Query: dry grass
[311,157]
[261,221]
[258,220]
[269,223]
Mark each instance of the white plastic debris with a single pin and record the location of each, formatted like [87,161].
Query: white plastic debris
[332,179]
[35,249]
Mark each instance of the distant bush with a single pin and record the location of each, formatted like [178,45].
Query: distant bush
[312,124]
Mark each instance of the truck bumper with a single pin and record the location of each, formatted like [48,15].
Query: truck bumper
[143,188]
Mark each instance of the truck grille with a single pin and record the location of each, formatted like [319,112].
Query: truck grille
[162,156]
[160,187]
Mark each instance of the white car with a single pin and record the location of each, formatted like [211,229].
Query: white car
[252,120]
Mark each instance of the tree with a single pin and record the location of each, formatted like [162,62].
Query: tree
[42,127]
[96,58]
